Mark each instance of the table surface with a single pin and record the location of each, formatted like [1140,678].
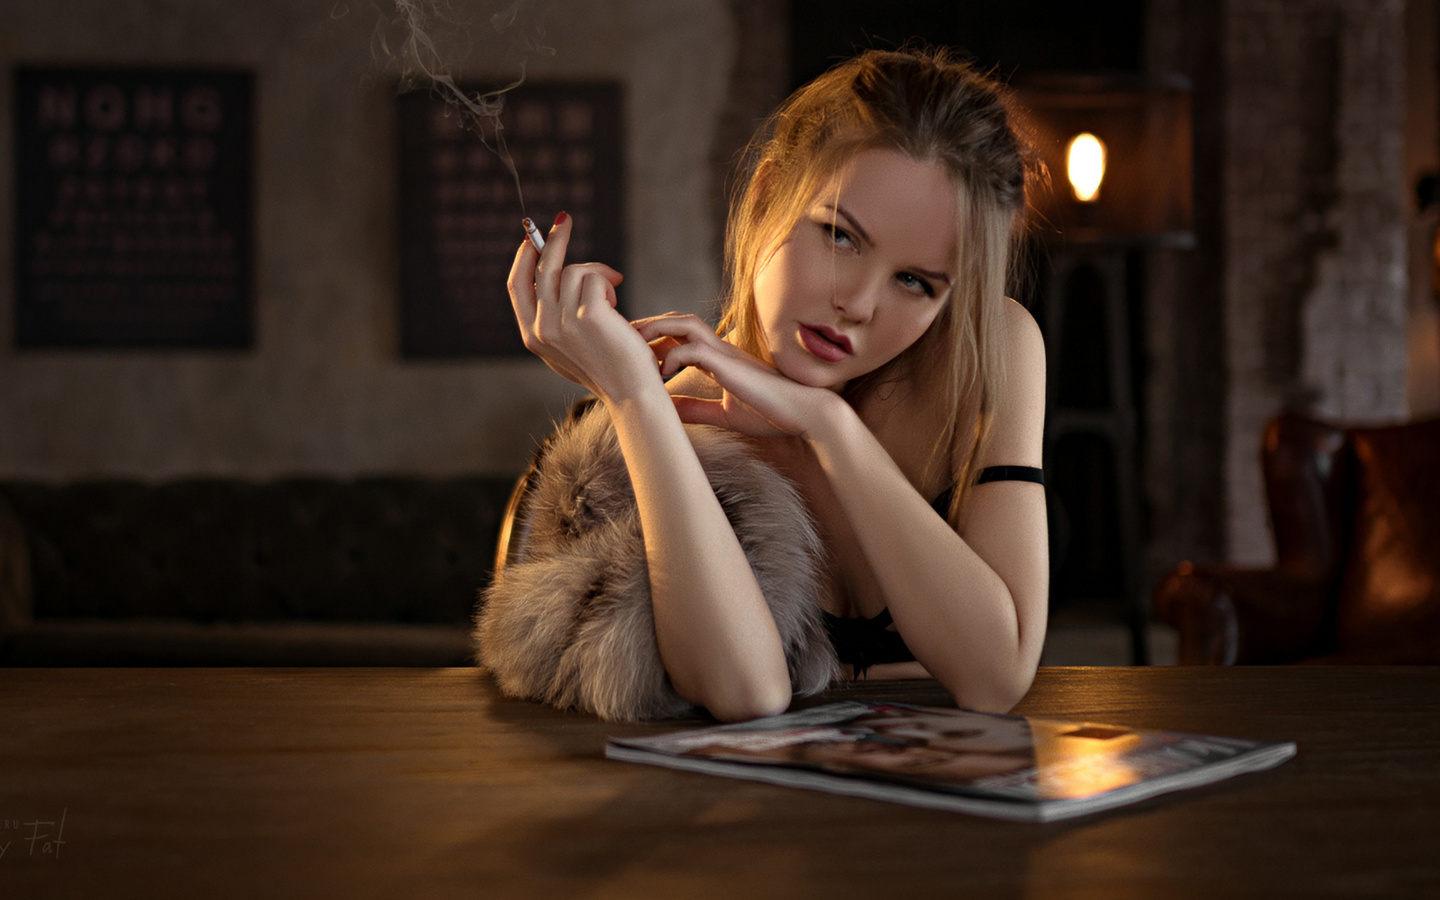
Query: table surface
[427,783]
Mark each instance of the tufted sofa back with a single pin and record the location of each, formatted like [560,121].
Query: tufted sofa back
[381,550]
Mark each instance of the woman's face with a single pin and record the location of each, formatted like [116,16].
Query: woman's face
[962,732]
[927,761]
[864,272]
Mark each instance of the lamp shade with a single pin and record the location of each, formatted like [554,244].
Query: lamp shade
[1142,124]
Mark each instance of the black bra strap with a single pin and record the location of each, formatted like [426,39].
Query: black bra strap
[1011,473]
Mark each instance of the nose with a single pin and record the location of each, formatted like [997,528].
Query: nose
[857,300]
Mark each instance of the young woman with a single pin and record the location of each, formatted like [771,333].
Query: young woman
[868,353]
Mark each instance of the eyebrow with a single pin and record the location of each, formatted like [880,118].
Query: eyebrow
[864,236]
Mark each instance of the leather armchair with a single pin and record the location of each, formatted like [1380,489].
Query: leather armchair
[1356,519]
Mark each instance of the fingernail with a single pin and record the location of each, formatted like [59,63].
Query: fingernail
[560,219]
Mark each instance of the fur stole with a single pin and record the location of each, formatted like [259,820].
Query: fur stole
[569,622]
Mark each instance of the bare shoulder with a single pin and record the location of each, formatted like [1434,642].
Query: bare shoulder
[1018,427]
[1025,345]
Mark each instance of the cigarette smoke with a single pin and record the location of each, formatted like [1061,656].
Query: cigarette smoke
[427,39]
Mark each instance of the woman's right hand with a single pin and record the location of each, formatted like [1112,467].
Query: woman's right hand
[714,631]
[567,317]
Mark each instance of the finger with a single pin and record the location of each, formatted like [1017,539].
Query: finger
[674,330]
[723,361]
[613,276]
[676,325]
[596,293]
[521,285]
[675,355]
[662,346]
[576,270]
[552,258]
[574,277]
[698,411]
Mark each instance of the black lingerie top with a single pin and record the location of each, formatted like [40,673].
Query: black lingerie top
[866,642]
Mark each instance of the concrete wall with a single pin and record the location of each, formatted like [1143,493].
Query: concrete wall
[1316,305]
[324,389]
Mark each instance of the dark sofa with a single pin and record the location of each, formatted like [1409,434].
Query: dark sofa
[304,571]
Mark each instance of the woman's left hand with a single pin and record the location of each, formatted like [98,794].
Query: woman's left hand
[756,398]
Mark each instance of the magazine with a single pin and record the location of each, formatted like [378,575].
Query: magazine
[1008,767]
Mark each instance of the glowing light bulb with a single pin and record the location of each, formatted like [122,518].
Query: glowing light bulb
[1085,165]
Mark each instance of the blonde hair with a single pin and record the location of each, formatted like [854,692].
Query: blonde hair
[930,108]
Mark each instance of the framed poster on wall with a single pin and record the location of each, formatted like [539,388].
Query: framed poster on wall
[460,205]
[133,208]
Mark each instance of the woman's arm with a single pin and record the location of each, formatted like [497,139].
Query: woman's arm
[715,633]
[717,638]
[971,605]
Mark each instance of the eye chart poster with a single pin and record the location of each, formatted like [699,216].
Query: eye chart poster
[133,208]
[460,210]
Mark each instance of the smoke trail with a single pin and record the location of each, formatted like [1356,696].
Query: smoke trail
[426,39]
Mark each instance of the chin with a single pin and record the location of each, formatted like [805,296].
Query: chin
[796,364]
[813,374]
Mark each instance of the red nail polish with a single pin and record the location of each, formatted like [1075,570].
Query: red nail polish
[560,219]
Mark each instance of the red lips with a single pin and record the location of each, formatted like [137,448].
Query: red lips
[825,343]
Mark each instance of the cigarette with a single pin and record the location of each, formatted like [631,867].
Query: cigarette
[533,234]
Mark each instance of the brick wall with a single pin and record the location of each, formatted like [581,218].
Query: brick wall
[1314,227]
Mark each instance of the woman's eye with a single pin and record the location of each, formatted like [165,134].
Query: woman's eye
[837,234]
[916,283]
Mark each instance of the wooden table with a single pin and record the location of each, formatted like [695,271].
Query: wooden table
[416,783]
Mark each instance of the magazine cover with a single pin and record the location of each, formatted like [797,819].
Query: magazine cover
[1008,767]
